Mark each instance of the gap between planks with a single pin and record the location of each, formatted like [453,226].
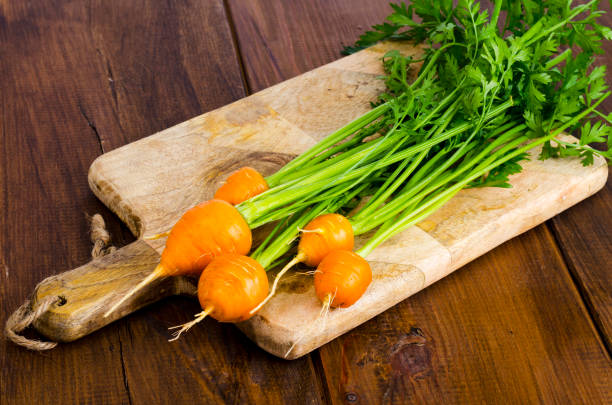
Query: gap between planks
[319,372]
[236,46]
[581,292]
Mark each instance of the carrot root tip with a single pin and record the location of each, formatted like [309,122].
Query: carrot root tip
[186,326]
[157,236]
[309,272]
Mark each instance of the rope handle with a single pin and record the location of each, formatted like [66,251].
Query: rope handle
[100,237]
[25,315]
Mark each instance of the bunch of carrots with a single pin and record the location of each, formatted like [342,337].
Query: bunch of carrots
[486,92]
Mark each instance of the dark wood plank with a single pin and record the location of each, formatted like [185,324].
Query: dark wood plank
[46,146]
[92,77]
[279,40]
[508,327]
[164,63]
[213,363]
[583,232]
[455,325]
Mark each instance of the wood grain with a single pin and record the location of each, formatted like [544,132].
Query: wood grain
[496,331]
[84,292]
[163,64]
[583,233]
[279,40]
[78,79]
[215,364]
[46,147]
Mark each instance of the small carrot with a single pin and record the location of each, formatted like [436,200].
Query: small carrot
[338,234]
[322,235]
[202,233]
[341,278]
[228,289]
[242,185]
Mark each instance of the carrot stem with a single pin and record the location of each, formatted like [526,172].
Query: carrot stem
[436,179]
[500,156]
[282,244]
[254,209]
[330,140]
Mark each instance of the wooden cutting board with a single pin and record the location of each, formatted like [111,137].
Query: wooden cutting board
[151,182]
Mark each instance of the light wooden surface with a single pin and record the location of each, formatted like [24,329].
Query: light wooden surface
[526,323]
[151,182]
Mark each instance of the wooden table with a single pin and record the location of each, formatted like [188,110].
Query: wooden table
[529,322]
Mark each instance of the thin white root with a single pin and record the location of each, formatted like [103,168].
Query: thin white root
[157,236]
[310,230]
[294,276]
[327,305]
[157,273]
[322,315]
[297,259]
[308,273]
[186,326]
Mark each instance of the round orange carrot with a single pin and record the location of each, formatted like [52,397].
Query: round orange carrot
[242,185]
[202,233]
[232,285]
[228,289]
[341,278]
[320,236]
[324,234]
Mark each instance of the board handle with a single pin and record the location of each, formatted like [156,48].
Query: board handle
[83,295]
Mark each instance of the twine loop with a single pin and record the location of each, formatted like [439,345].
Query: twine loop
[23,317]
[100,237]
[26,315]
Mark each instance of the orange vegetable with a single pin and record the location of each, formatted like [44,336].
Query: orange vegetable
[242,185]
[322,235]
[202,233]
[341,278]
[232,285]
[229,288]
